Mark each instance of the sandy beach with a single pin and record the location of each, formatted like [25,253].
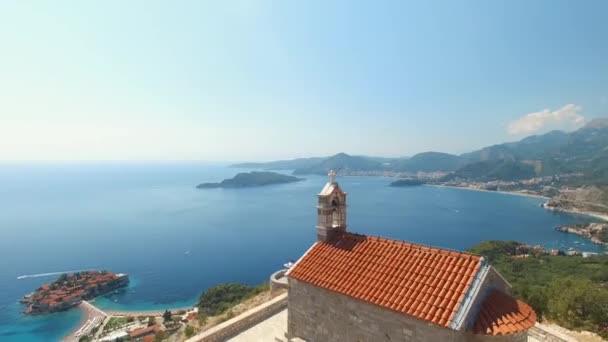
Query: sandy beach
[516,193]
[603,217]
[90,312]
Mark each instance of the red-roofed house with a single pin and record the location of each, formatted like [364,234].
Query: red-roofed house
[350,287]
[142,332]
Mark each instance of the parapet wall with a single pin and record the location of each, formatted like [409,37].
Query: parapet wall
[278,281]
[242,322]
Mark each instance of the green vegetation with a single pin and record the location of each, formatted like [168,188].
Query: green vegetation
[340,161]
[582,152]
[487,170]
[244,180]
[115,323]
[167,315]
[189,331]
[219,298]
[406,182]
[428,162]
[571,291]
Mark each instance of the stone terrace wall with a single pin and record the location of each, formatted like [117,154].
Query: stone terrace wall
[242,322]
[319,315]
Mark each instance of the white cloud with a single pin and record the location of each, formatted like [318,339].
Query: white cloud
[567,117]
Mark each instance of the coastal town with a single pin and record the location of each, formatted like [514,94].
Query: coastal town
[71,289]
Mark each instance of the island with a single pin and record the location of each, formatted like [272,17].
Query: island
[71,289]
[251,179]
[406,182]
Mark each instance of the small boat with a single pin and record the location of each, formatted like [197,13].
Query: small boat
[187,252]
[289,264]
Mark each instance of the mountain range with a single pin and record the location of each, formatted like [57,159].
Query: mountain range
[583,152]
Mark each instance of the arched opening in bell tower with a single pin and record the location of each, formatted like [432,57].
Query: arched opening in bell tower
[335,215]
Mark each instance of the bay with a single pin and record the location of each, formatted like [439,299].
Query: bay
[149,220]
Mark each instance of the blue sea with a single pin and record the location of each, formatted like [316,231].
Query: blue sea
[149,220]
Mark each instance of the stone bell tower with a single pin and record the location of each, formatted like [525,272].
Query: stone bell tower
[331,210]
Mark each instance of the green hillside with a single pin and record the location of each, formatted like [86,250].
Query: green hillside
[569,290]
[428,162]
[341,162]
[501,169]
[583,152]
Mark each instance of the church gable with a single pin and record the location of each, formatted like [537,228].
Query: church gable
[356,287]
[426,283]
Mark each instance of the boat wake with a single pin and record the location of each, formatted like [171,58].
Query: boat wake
[45,274]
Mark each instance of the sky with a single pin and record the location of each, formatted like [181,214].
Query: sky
[263,80]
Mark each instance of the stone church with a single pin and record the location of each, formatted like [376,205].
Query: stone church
[352,287]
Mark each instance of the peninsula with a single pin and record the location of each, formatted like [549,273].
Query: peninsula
[594,231]
[71,289]
[251,179]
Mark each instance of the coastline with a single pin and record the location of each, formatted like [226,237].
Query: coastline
[126,313]
[516,193]
[603,217]
[89,312]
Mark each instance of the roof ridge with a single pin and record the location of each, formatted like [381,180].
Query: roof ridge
[420,281]
[414,245]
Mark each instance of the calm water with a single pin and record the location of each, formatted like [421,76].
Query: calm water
[148,220]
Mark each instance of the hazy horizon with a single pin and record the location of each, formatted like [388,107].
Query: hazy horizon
[259,80]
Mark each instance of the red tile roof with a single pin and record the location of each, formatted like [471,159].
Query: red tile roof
[144,331]
[500,314]
[149,338]
[424,282]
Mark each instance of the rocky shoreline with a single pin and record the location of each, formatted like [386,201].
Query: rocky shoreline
[596,232]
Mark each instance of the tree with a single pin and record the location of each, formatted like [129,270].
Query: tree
[189,331]
[578,303]
[167,315]
[151,321]
[202,319]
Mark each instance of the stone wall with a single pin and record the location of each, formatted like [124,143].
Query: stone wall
[541,332]
[319,315]
[278,281]
[242,322]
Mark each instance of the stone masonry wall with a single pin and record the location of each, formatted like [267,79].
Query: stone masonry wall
[319,315]
[242,322]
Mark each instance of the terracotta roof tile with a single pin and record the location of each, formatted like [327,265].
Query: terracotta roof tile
[501,314]
[425,282]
